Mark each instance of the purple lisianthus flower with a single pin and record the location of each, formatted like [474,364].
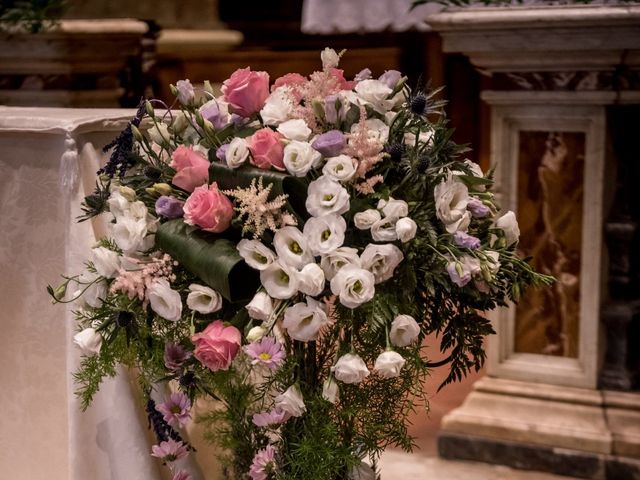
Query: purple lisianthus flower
[217,112]
[274,417]
[169,207]
[390,78]
[330,110]
[175,355]
[330,144]
[363,75]
[465,240]
[458,274]
[263,463]
[477,208]
[169,451]
[221,152]
[266,351]
[185,92]
[175,410]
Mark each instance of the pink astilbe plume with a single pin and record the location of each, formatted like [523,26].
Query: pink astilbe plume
[135,282]
[366,187]
[365,149]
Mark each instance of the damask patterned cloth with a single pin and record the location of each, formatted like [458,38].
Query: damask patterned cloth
[362,16]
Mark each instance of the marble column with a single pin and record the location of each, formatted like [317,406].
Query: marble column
[558,76]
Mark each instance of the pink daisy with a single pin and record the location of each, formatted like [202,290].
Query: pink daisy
[175,410]
[169,451]
[263,463]
[274,417]
[266,351]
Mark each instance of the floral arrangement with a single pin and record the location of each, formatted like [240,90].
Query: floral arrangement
[285,250]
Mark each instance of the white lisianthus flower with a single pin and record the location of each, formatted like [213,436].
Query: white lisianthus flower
[300,157]
[277,108]
[353,285]
[203,299]
[279,280]
[476,170]
[303,320]
[256,254]
[330,59]
[493,264]
[388,364]
[384,230]
[118,203]
[291,401]
[330,390]
[376,129]
[296,129]
[291,247]
[509,225]
[137,210]
[350,368]
[88,341]
[325,234]
[393,208]
[325,196]
[404,331]
[340,257]
[129,232]
[365,220]
[159,133]
[93,291]
[260,307]
[451,199]
[424,138]
[256,333]
[362,472]
[105,261]
[374,93]
[340,168]
[381,260]
[406,229]
[311,279]
[164,300]
[237,152]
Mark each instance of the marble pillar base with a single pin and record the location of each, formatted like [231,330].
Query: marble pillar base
[569,431]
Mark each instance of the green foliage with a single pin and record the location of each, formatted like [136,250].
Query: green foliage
[31,16]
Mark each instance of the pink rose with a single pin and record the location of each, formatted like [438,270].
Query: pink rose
[266,149]
[209,209]
[246,91]
[295,81]
[192,168]
[217,345]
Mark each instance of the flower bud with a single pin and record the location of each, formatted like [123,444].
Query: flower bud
[256,333]
[60,292]
[163,188]
[149,108]
[136,134]
[150,191]
[128,193]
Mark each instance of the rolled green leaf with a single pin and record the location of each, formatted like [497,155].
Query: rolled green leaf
[210,257]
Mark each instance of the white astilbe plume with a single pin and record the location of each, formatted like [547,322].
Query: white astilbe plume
[256,212]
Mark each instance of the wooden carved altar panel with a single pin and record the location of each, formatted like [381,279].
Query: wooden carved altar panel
[550,208]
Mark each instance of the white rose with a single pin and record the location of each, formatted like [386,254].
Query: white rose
[384,230]
[334,261]
[105,261]
[365,220]
[256,333]
[89,341]
[330,59]
[388,364]
[325,234]
[303,320]
[424,138]
[291,401]
[296,129]
[129,233]
[325,196]
[256,254]
[237,152]
[376,129]
[362,472]
[330,390]
[260,307]
[404,331]
[279,280]
[291,247]
[509,225]
[159,133]
[381,260]
[451,199]
[164,301]
[353,285]
[393,208]
[340,168]
[311,280]
[300,157]
[203,299]
[277,108]
[406,229]
[350,368]
[374,93]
